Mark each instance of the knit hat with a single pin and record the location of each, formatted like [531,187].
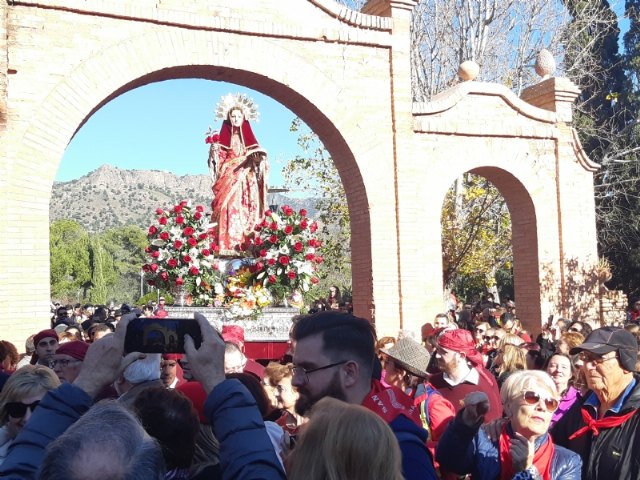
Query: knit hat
[612,339]
[410,356]
[76,350]
[49,333]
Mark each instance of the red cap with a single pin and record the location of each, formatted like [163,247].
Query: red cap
[194,392]
[233,334]
[77,349]
[171,356]
[50,333]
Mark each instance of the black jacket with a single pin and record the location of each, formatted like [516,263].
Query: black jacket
[615,452]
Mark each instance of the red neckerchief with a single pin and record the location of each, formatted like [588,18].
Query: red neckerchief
[390,402]
[286,425]
[541,458]
[596,425]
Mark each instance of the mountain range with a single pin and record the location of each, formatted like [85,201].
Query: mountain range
[111,197]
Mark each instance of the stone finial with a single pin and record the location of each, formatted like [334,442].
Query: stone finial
[468,70]
[545,63]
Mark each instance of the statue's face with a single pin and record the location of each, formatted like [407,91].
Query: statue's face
[236,117]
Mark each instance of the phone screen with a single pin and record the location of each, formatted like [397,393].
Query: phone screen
[161,335]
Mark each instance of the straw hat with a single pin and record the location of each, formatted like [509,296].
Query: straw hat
[410,356]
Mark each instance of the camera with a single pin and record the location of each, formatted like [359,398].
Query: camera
[166,335]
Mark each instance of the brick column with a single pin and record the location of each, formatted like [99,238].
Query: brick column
[576,211]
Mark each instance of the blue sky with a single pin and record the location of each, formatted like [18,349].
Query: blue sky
[161,126]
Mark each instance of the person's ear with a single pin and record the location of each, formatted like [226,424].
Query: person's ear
[350,373]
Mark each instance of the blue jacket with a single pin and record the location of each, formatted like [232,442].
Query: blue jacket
[245,449]
[463,450]
[417,463]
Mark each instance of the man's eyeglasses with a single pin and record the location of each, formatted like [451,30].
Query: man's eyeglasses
[533,398]
[304,372]
[574,329]
[19,409]
[595,359]
[64,363]
[481,330]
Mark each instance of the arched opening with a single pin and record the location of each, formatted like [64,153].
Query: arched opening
[499,241]
[335,144]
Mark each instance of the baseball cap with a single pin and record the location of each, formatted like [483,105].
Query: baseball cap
[612,339]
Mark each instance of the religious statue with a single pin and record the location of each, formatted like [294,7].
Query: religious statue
[239,171]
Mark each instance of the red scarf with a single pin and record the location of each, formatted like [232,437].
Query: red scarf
[541,458]
[391,402]
[596,425]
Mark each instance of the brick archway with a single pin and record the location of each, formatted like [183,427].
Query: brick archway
[347,75]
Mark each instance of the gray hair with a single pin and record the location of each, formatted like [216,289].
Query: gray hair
[107,442]
[526,379]
[143,370]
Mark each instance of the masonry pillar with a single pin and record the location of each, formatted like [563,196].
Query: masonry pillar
[578,289]
[419,290]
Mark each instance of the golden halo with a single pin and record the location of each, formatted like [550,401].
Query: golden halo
[241,100]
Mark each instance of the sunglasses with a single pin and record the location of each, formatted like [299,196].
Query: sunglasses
[19,409]
[533,398]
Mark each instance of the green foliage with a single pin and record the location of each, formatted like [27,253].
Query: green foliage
[315,173]
[99,268]
[153,297]
[476,235]
[69,257]
[125,245]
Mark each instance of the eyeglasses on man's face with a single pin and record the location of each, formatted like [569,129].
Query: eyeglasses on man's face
[588,357]
[302,372]
[63,362]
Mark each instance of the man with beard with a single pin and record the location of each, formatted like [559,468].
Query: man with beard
[334,356]
[462,372]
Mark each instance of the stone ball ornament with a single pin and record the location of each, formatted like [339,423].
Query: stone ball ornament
[545,63]
[468,70]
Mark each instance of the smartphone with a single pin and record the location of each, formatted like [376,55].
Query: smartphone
[161,335]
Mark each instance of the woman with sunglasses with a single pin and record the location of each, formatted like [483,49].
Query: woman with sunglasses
[20,396]
[524,449]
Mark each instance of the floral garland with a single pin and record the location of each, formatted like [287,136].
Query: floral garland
[181,252]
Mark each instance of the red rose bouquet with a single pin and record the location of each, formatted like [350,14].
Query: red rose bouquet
[181,252]
[286,252]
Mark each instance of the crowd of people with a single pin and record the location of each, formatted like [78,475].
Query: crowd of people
[473,396]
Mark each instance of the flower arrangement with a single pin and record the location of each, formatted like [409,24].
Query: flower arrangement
[181,252]
[286,252]
[243,297]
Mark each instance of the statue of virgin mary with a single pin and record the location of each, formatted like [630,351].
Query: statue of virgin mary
[239,171]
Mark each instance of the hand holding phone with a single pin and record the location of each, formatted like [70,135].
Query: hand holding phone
[207,361]
[161,335]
